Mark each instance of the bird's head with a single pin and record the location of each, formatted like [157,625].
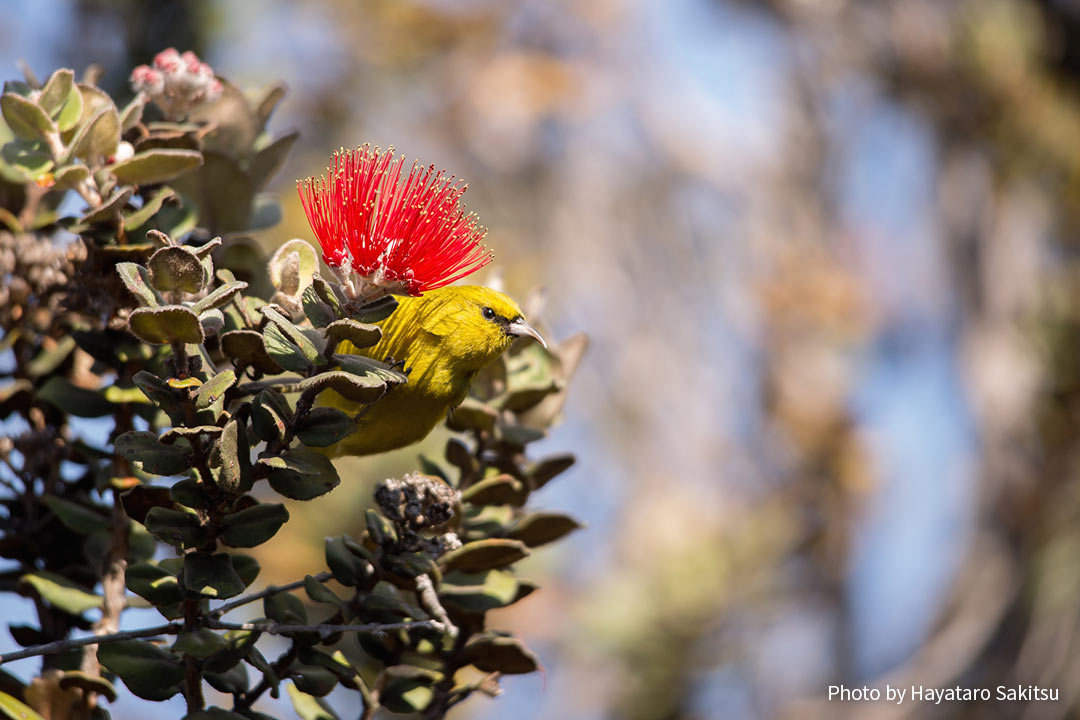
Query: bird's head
[479,323]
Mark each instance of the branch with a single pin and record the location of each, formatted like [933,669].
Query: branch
[58,646]
[324,630]
[430,600]
[272,590]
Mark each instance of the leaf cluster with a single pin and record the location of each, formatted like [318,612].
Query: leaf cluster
[203,362]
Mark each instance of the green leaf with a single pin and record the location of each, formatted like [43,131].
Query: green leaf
[93,100]
[384,604]
[171,435]
[233,455]
[549,468]
[485,555]
[380,529]
[301,474]
[321,594]
[214,389]
[233,680]
[148,671]
[358,388]
[270,159]
[473,415]
[327,294]
[221,191]
[283,351]
[166,324]
[73,400]
[253,526]
[200,643]
[478,592]
[137,280]
[150,207]
[219,296]
[109,209]
[78,517]
[177,268]
[375,311]
[212,321]
[159,393]
[70,112]
[319,313]
[324,426]
[308,707]
[366,367]
[132,112]
[177,528]
[246,347]
[285,609]
[99,136]
[313,680]
[270,415]
[30,160]
[498,490]
[189,493]
[146,452]
[406,688]
[154,584]
[26,119]
[349,568]
[56,91]
[60,592]
[238,644]
[156,166]
[211,575]
[68,177]
[361,335]
[293,333]
[543,527]
[246,567]
[15,710]
[490,652]
[292,266]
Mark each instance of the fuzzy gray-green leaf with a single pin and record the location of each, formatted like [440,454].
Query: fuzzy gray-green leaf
[25,118]
[177,268]
[167,324]
[156,166]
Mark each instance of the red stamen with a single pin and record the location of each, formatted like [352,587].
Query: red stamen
[415,231]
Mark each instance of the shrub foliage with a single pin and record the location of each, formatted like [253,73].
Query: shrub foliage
[132,296]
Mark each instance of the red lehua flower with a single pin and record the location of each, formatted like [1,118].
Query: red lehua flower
[409,236]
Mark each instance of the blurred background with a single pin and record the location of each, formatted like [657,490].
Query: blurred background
[826,251]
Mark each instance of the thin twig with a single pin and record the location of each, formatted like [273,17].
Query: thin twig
[425,588]
[265,592]
[58,646]
[273,628]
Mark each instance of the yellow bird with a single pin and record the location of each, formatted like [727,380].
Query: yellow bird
[444,338]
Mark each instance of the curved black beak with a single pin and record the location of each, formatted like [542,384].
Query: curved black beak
[523,329]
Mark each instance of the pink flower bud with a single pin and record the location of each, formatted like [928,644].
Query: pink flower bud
[167,60]
[146,79]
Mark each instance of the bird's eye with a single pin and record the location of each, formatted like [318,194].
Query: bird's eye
[488,313]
